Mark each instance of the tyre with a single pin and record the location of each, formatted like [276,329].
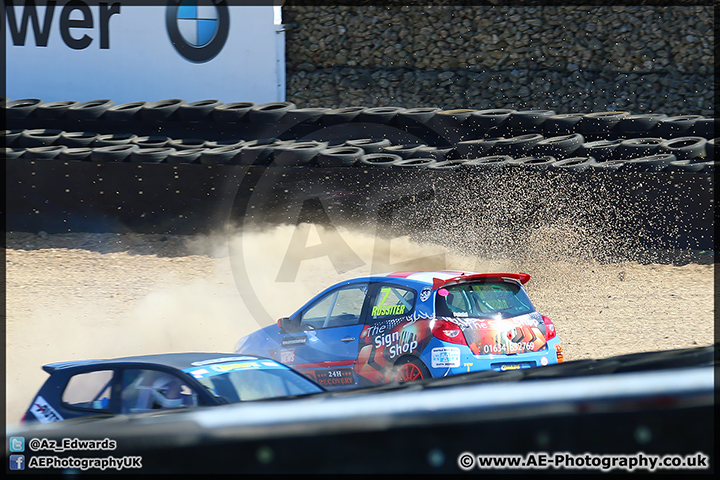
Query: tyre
[638,125]
[260,152]
[161,110]
[123,112]
[404,151]
[184,156]
[77,139]
[417,163]
[304,115]
[454,164]
[484,120]
[518,146]
[474,148]
[491,161]
[684,166]
[710,150]
[271,112]
[411,118]
[296,153]
[598,125]
[338,116]
[186,143]
[448,121]
[439,154]
[232,112]
[674,127]
[608,165]
[684,148]
[535,162]
[44,153]
[112,153]
[76,154]
[90,110]
[110,139]
[150,155]
[649,163]
[561,146]
[704,127]
[601,150]
[151,141]
[13,153]
[196,111]
[54,110]
[38,137]
[380,160]
[637,147]
[410,370]
[22,108]
[561,124]
[231,142]
[528,120]
[574,163]
[10,137]
[369,145]
[343,156]
[381,115]
[228,155]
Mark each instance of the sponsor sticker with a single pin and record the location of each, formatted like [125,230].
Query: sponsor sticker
[445,357]
[337,377]
[287,341]
[287,356]
[223,359]
[44,412]
[425,294]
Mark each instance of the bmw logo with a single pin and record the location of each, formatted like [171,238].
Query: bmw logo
[198,29]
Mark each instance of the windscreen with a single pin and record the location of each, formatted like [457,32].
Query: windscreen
[482,299]
[256,380]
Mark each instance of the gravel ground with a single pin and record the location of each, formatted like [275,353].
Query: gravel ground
[77,296]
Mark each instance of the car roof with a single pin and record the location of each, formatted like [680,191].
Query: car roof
[173,360]
[441,277]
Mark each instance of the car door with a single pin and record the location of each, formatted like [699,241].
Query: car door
[326,349]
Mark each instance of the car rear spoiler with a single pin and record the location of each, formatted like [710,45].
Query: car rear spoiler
[521,278]
[51,367]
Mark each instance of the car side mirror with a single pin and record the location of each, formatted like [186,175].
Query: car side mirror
[288,325]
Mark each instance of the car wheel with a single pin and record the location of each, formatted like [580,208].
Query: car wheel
[410,370]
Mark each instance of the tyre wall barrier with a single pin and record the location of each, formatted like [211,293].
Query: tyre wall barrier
[503,173]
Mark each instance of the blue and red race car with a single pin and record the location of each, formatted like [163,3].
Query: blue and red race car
[408,326]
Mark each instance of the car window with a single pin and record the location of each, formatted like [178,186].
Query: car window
[483,299]
[145,390]
[253,380]
[90,390]
[392,301]
[338,308]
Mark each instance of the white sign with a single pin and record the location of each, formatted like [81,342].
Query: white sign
[447,357]
[191,49]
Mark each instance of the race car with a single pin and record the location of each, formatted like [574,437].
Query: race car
[406,326]
[157,382]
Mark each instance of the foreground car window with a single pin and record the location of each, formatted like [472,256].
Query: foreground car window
[482,300]
[239,382]
[89,390]
[145,390]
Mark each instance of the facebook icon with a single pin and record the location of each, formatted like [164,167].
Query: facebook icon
[17,462]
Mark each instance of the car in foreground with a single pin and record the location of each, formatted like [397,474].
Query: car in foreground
[162,381]
[407,326]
